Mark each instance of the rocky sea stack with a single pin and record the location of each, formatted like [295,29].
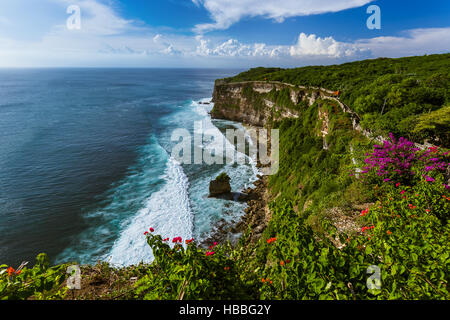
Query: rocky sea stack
[220,185]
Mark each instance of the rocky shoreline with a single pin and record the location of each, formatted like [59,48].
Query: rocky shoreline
[256,214]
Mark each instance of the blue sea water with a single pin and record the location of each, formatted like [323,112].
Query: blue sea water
[86,166]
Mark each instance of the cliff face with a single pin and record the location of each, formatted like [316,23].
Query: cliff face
[246,102]
[260,102]
[257,103]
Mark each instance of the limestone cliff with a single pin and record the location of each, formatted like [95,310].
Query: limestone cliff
[259,102]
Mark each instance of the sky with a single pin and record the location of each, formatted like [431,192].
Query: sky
[217,33]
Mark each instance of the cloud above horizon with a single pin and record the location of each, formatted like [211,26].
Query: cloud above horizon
[108,39]
[225,13]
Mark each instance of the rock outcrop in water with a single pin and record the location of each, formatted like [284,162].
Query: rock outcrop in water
[220,185]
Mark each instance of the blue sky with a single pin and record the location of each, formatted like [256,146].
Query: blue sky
[216,33]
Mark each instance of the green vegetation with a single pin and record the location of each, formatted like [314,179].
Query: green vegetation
[40,282]
[393,198]
[390,95]
[223,177]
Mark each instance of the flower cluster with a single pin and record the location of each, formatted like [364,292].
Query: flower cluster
[364,212]
[269,241]
[209,253]
[11,271]
[367,228]
[213,245]
[397,160]
[151,230]
[391,157]
[282,263]
[176,240]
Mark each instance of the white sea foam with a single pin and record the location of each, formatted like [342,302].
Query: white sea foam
[167,211]
[218,141]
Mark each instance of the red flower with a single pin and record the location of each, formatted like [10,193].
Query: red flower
[166,239]
[389,232]
[209,253]
[189,241]
[402,192]
[176,239]
[145,233]
[271,240]
[151,229]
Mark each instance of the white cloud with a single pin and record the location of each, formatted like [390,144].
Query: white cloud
[414,42]
[315,46]
[98,18]
[227,12]
[234,48]
[107,39]
[306,46]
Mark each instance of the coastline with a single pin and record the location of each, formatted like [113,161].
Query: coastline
[256,215]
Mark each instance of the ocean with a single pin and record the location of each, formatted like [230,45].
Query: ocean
[86,165]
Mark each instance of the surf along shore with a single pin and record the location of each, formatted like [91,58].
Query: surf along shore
[256,214]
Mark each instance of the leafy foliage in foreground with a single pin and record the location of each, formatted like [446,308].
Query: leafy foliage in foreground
[191,273]
[40,282]
[401,252]
[403,234]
